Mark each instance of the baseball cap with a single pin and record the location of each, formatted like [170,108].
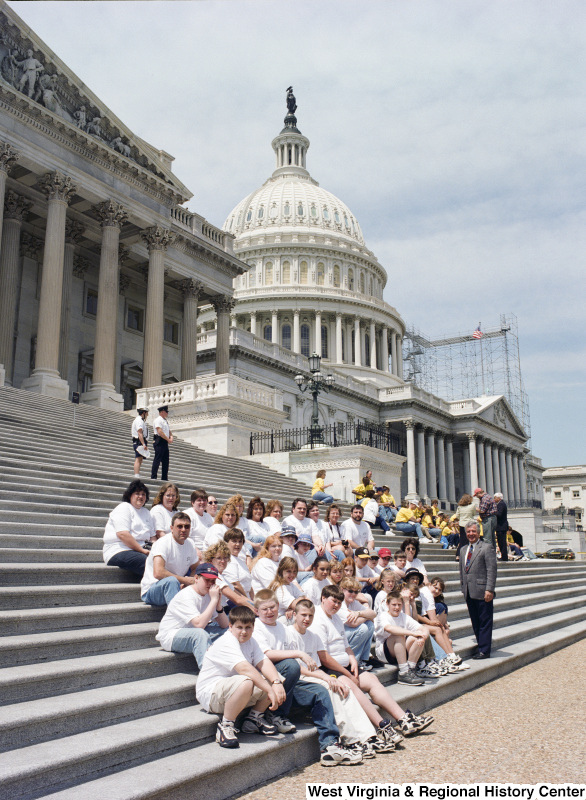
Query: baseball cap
[362,552]
[477,491]
[384,552]
[372,554]
[207,570]
[288,530]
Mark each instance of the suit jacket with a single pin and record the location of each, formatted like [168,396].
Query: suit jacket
[481,575]
[502,523]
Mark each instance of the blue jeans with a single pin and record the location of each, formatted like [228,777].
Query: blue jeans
[290,670]
[196,640]
[131,560]
[360,639]
[335,555]
[388,514]
[322,497]
[435,532]
[409,527]
[318,699]
[162,592]
[248,548]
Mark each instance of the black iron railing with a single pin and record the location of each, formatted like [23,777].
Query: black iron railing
[523,503]
[285,441]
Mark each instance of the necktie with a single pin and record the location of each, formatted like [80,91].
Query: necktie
[469,558]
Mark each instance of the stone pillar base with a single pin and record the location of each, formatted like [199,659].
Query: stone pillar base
[48,383]
[104,396]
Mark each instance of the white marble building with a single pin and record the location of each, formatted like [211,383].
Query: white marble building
[565,486]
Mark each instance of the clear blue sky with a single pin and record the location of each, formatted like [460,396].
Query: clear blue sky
[453,130]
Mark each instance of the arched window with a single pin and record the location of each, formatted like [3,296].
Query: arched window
[362,282]
[286,209]
[304,340]
[249,215]
[326,213]
[252,276]
[337,275]
[351,279]
[313,212]
[267,333]
[303,272]
[286,336]
[321,270]
[337,217]
[260,212]
[274,212]
[324,341]
[367,348]
[269,273]
[286,272]
[300,210]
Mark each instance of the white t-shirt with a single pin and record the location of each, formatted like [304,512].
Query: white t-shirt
[273,524]
[427,599]
[140,425]
[219,662]
[323,531]
[345,609]
[258,529]
[162,518]
[360,534]
[365,572]
[185,606]
[333,533]
[199,526]
[417,564]
[305,560]
[215,533]
[285,596]
[288,552]
[312,589]
[178,559]
[270,637]
[332,633]
[162,424]
[243,525]
[308,642]
[236,570]
[125,517]
[304,525]
[370,511]
[380,635]
[380,602]
[263,573]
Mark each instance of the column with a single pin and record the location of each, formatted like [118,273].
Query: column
[73,234]
[253,322]
[466,466]
[317,333]
[411,479]
[450,470]
[516,482]
[421,462]
[296,334]
[431,472]
[8,157]
[488,468]
[274,327]
[349,329]
[481,470]
[496,473]
[399,345]
[393,353]
[473,460]
[339,359]
[15,210]
[522,479]
[223,306]
[372,345]
[157,240]
[441,463]
[357,343]
[385,348]
[503,474]
[510,485]
[190,290]
[45,378]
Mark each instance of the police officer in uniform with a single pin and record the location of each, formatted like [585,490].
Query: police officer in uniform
[140,437]
[163,437]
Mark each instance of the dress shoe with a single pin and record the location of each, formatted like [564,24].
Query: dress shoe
[479,656]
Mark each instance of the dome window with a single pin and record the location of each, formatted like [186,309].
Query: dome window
[260,212]
[351,280]
[305,340]
[286,336]
[267,333]
[273,213]
[269,273]
[314,212]
[249,215]
[303,272]
[337,217]
[324,341]
[321,270]
[300,210]
[336,276]
[286,209]
[326,214]
[346,223]
[362,283]
[286,272]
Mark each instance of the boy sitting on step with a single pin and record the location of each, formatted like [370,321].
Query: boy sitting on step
[235,675]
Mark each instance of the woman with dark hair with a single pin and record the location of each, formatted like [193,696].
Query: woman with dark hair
[335,540]
[467,511]
[257,529]
[410,547]
[164,505]
[129,527]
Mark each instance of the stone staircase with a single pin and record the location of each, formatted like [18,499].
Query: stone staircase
[90,705]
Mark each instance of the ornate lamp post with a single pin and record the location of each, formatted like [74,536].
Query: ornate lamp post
[562,512]
[316,384]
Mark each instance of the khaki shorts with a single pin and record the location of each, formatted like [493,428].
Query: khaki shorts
[226,687]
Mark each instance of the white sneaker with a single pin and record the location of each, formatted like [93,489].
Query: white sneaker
[335,754]
[282,724]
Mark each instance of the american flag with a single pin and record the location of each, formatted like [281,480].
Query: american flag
[477,333]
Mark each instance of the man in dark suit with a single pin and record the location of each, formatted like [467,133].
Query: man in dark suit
[477,581]
[502,526]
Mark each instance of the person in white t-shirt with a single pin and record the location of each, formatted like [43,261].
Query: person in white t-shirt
[129,528]
[194,617]
[323,530]
[200,519]
[312,586]
[235,675]
[264,566]
[399,638]
[302,524]
[165,504]
[358,622]
[285,588]
[237,571]
[367,576]
[225,519]
[233,593]
[335,543]
[170,564]
[140,438]
[274,515]
[258,530]
[410,547]
[339,660]
[356,531]
[288,539]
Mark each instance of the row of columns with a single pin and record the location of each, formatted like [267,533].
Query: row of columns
[61,237]
[486,464]
[352,325]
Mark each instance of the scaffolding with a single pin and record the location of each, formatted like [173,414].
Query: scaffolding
[461,366]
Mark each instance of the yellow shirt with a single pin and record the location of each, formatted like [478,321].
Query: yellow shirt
[419,512]
[387,498]
[318,486]
[427,521]
[404,515]
[362,489]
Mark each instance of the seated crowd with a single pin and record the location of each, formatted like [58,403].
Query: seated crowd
[282,611]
